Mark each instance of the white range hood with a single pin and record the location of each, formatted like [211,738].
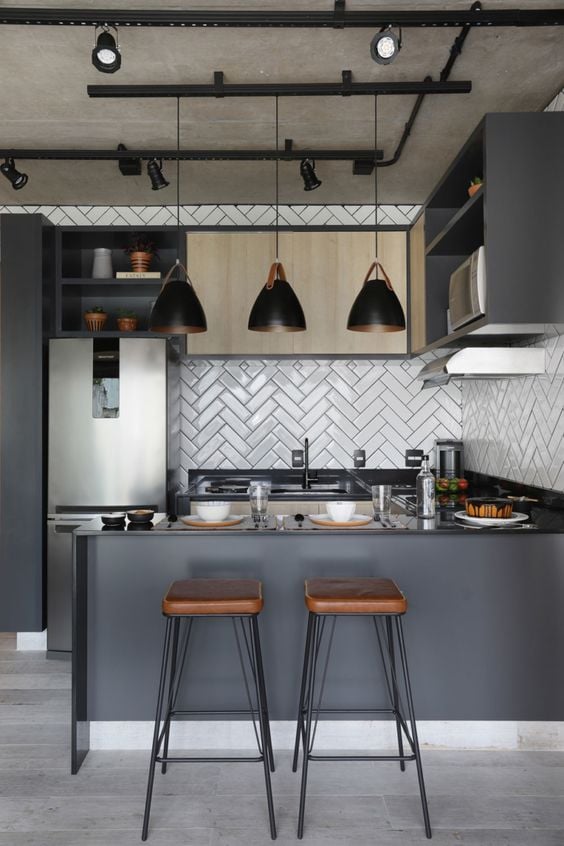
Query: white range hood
[483,363]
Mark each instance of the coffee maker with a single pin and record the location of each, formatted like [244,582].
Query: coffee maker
[449,459]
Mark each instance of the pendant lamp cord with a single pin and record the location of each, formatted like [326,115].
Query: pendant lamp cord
[277,184]
[178,235]
[376,179]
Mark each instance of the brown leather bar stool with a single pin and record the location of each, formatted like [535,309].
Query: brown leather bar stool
[185,601]
[381,599]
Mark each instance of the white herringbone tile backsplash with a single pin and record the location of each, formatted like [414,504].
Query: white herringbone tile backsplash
[242,414]
[514,428]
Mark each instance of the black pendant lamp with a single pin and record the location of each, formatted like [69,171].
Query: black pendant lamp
[177,311]
[376,307]
[277,308]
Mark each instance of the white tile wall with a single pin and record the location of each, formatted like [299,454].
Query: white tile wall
[514,428]
[240,414]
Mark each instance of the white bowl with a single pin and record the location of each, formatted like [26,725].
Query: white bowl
[341,512]
[212,512]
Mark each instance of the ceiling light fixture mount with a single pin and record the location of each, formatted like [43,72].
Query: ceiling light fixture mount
[8,169]
[106,55]
[385,46]
[308,174]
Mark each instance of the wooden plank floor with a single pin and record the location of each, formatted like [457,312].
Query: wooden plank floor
[476,798]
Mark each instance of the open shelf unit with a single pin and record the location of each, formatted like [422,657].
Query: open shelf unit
[517,215]
[77,291]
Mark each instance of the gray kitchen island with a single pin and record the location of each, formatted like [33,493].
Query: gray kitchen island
[483,627]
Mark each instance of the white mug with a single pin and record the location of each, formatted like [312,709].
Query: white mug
[341,512]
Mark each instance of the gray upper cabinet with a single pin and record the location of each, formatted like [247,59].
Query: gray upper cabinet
[518,215]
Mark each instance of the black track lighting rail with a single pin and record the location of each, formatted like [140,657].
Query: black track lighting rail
[288,153]
[338,18]
[219,88]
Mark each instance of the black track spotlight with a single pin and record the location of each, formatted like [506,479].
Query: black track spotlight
[385,46]
[307,172]
[17,179]
[154,169]
[106,56]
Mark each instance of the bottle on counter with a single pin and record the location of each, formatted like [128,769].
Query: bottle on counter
[425,489]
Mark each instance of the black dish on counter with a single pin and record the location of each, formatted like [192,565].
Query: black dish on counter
[140,515]
[116,518]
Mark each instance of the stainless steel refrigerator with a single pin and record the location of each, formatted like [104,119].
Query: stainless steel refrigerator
[107,448]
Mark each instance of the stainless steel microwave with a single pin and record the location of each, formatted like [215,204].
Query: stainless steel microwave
[467,290]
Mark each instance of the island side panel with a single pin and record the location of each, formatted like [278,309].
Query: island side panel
[483,625]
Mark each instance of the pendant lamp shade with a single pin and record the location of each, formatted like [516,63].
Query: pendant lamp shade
[178,310]
[376,307]
[277,308]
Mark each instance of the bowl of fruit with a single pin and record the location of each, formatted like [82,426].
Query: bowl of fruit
[451,492]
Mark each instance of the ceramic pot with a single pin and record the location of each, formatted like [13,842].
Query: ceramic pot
[95,320]
[102,264]
[140,261]
[127,324]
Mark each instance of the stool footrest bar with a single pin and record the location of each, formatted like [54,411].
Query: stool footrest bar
[361,757]
[202,760]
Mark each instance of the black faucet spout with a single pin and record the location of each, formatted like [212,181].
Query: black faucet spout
[306,484]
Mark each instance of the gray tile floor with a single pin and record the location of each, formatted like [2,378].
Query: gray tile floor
[475,798]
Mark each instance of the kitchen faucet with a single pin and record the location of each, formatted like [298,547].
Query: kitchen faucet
[305,481]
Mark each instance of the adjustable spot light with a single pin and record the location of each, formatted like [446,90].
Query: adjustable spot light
[385,46]
[154,169]
[106,56]
[308,174]
[14,176]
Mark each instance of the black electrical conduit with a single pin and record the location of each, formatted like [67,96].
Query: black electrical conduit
[455,52]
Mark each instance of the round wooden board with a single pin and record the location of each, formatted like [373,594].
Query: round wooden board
[198,523]
[334,524]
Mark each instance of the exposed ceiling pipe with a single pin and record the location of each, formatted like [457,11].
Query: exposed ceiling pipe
[455,52]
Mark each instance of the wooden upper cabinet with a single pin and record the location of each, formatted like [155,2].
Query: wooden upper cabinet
[326,269]
[417,284]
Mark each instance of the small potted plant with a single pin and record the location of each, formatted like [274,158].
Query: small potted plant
[141,252]
[95,319]
[126,320]
[475,185]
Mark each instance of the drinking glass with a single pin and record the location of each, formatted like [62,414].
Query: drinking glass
[381,499]
[258,497]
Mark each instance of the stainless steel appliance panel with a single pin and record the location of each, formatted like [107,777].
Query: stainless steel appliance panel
[112,461]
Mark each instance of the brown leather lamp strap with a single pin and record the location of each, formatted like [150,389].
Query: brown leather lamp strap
[276,272]
[375,265]
[174,269]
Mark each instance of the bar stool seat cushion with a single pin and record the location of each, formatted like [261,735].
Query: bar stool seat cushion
[213,596]
[354,596]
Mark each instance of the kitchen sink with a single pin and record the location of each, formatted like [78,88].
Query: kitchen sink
[316,488]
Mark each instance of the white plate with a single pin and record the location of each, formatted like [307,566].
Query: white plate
[200,523]
[516,517]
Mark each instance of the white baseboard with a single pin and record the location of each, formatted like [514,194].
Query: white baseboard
[337,735]
[31,641]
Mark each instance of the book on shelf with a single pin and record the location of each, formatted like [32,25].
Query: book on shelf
[131,274]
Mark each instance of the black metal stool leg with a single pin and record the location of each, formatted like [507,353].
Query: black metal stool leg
[156,732]
[312,662]
[299,725]
[417,752]
[395,694]
[263,720]
[260,671]
[171,681]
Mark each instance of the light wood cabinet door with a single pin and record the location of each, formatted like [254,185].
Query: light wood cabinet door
[327,270]
[417,284]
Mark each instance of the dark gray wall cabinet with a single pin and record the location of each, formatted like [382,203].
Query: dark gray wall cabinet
[26,293]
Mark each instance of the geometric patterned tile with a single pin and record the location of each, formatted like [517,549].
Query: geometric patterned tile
[514,428]
[221,215]
[238,414]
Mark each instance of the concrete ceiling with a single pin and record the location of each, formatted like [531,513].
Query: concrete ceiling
[43,103]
